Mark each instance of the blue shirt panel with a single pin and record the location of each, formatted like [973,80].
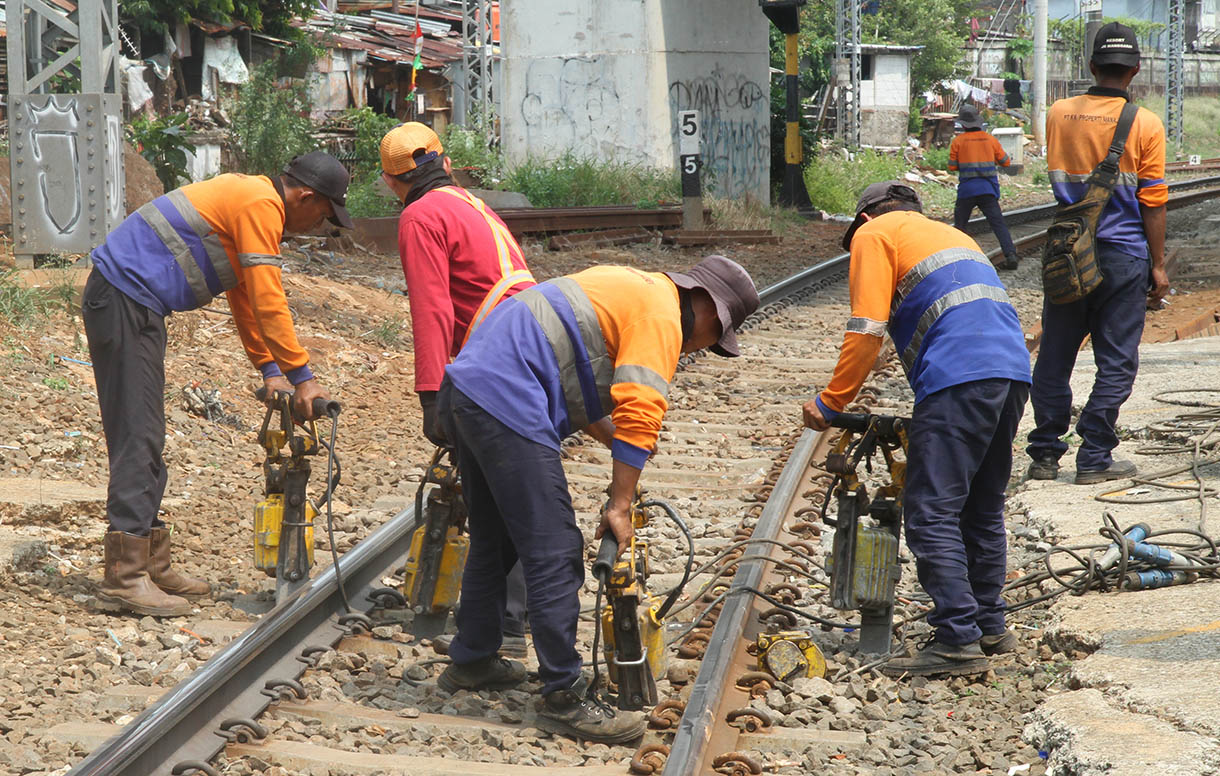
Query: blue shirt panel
[944,280]
[1122,223]
[979,187]
[978,340]
[135,261]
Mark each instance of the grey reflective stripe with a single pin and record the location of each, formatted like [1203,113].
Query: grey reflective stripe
[595,343]
[965,174]
[952,299]
[641,375]
[1005,159]
[540,307]
[867,326]
[178,247]
[259,259]
[916,274]
[1059,176]
[975,165]
[211,241]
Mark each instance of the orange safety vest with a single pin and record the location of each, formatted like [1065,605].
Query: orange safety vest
[509,276]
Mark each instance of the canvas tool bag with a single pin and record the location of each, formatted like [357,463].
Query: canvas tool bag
[1069,261]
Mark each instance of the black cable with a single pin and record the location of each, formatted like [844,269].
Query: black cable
[690,555]
[591,692]
[332,462]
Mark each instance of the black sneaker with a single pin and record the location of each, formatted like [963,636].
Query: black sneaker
[493,673]
[1044,469]
[510,646]
[998,643]
[1009,262]
[933,657]
[1117,470]
[570,714]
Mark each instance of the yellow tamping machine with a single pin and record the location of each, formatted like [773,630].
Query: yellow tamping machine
[433,574]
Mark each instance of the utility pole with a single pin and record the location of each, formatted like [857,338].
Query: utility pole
[1038,93]
[1092,23]
[847,71]
[1174,65]
[477,62]
[786,16]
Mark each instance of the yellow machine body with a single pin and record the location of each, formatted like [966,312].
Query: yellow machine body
[449,578]
[268,519]
[788,655]
[652,636]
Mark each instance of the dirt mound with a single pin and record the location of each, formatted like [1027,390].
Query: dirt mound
[142,182]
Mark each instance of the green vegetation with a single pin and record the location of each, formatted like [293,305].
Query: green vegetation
[270,121]
[936,158]
[573,181]
[55,383]
[269,15]
[163,143]
[20,306]
[1200,124]
[365,197]
[468,147]
[835,182]
[388,333]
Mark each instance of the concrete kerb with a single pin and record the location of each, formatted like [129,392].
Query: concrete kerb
[1146,696]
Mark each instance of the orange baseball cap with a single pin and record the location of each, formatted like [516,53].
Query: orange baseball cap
[402,144]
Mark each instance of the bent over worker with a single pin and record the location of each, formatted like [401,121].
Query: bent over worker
[460,261]
[1130,252]
[174,254]
[553,359]
[939,298]
[973,155]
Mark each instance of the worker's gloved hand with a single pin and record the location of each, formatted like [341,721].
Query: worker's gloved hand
[432,419]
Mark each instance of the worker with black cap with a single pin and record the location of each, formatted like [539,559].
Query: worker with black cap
[1129,248]
[973,155]
[596,351]
[174,254]
[460,261]
[933,291]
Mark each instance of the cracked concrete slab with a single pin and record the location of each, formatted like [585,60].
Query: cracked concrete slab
[1147,696]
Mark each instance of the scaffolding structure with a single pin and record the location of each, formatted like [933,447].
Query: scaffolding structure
[1174,71]
[477,61]
[847,72]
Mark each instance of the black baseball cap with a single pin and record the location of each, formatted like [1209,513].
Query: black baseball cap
[731,289]
[876,193]
[1115,44]
[326,175]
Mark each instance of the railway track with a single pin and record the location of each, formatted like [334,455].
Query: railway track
[312,687]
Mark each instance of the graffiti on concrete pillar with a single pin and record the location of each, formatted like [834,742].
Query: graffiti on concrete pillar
[736,126]
[114,169]
[572,103]
[55,147]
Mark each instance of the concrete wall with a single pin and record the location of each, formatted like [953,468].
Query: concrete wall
[607,80]
[885,101]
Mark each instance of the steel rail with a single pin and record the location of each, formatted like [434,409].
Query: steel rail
[688,752]
[185,724]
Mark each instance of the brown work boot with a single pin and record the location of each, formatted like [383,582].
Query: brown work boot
[569,713]
[127,585]
[165,577]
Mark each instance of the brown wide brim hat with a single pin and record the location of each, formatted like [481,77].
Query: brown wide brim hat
[731,289]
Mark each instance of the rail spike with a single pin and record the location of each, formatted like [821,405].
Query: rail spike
[737,764]
[649,759]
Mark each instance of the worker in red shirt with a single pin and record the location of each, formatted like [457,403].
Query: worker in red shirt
[460,261]
[973,155]
[173,254]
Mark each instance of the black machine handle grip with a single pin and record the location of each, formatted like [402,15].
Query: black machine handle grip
[607,553]
[321,407]
[852,421]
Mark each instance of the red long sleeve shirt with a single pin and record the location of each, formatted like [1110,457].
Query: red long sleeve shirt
[453,254]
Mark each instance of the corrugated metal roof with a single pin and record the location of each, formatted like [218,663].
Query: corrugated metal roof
[387,36]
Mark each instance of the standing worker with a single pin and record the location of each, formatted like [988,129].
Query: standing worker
[460,261]
[1131,231]
[594,350]
[973,155]
[964,352]
[173,254]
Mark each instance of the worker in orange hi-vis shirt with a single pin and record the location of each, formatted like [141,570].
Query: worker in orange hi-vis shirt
[973,155]
[939,299]
[174,254]
[595,351]
[1130,250]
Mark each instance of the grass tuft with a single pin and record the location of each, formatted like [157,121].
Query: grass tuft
[835,182]
[574,181]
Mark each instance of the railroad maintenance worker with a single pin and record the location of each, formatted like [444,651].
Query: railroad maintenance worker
[973,155]
[460,261]
[594,350]
[1130,252]
[951,321]
[176,253]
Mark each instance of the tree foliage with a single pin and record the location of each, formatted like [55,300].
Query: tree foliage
[269,15]
[270,120]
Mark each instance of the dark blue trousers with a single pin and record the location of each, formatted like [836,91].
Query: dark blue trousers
[958,463]
[1113,317]
[517,497]
[991,211]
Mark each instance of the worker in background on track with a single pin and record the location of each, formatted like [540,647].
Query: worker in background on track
[950,320]
[973,155]
[460,261]
[594,350]
[1130,250]
[173,254]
